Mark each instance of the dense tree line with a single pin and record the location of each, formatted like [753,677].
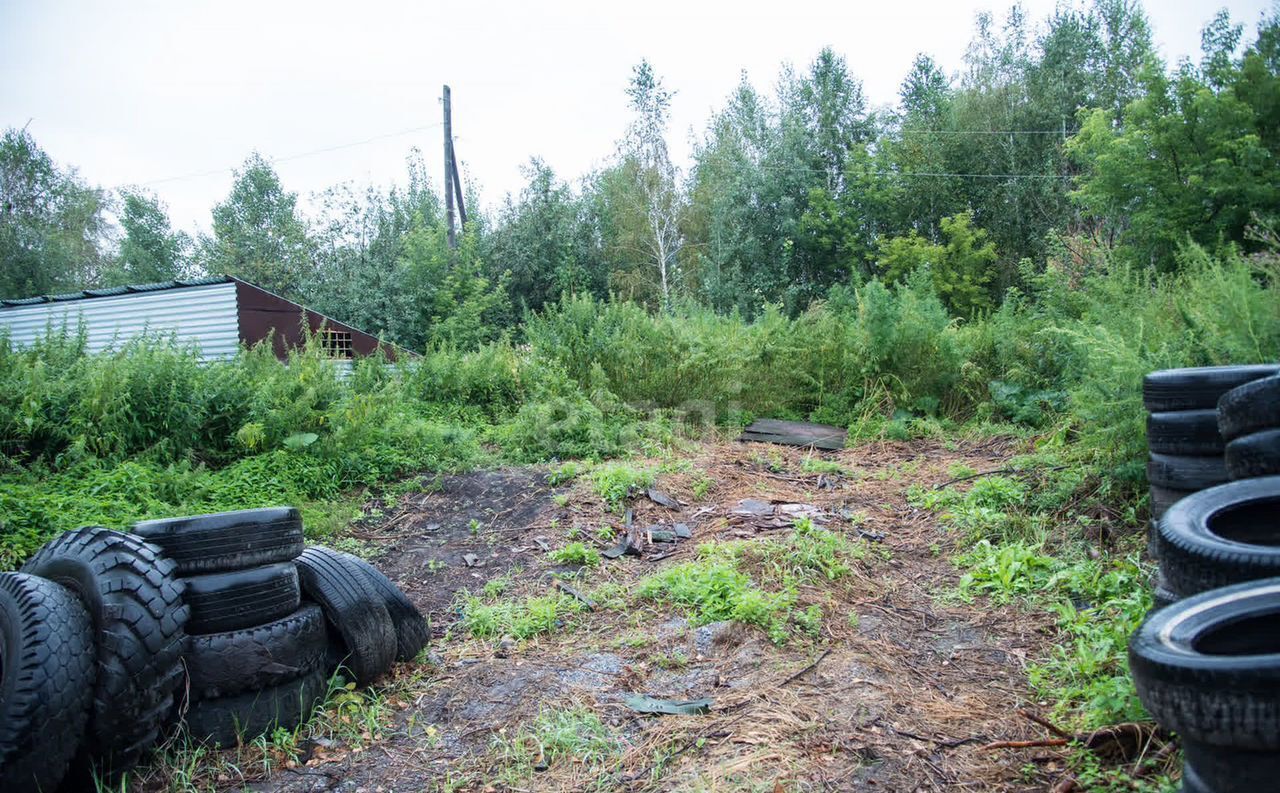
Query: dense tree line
[1063,144]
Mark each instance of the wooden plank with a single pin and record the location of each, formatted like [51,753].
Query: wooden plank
[795,433]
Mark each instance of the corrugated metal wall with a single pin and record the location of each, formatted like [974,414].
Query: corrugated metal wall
[202,315]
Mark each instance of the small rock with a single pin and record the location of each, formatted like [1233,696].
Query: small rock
[505,645]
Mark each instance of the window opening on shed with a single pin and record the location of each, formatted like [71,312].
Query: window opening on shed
[336,343]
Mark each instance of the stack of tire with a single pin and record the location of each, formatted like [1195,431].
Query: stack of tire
[1207,666]
[1186,449]
[225,622]
[1249,421]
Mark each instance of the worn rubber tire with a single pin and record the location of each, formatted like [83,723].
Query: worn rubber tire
[1251,407]
[1220,536]
[1193,433]
[227,540]
[353,609]
[135,604]
[412,630]
[226,664]
[222,602]
[46,681]
[1222,769]
[1253,455]
[1208,667]
[1162,498]
[1199,387]
[224,721]
[1181,472]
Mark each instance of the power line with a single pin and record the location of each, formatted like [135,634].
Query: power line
[925,174]
[921,130]
[291,157]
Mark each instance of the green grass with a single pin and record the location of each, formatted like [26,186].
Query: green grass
[575,553]
[616,482]
[519,619]
[557,737]
[717,585]
[1098,602]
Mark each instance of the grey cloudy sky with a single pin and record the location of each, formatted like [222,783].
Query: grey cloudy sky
[141,92]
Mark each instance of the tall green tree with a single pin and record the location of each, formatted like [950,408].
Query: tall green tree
[643,189]
[360,241]
[257,233]
[52,226]
[451,298]
[961,267]
[538,241]
[1197,158]
[150,250]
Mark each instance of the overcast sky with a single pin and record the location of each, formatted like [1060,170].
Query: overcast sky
[143,92]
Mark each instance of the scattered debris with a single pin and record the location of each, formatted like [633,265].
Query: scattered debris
[795,433]
[752,507]
[471,560]
[668,707]
[764,515]
[662,499]
[655,534]
[626,544]
[575,594]
[682,531]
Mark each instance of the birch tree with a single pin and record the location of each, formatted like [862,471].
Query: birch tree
[657,199]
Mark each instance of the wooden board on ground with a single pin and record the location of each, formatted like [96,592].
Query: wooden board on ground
[795,433]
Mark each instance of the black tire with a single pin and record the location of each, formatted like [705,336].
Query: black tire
[226,721]
[1249,408]
[1254,455]
[1192,433]
[226,664]
[412,630]
[238,599]
[353,609]
[1208,667]
[135,604]
[1180,472]
[1162,498]
[47,667]
[1220,536]
[227,540]
[1199,387]
[1223,769]
[1153,549]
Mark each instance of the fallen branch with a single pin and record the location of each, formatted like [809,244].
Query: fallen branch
[1048,725]
[807,669]
[1025,744]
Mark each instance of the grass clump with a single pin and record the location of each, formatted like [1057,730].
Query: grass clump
[575,553]
[616,482]
[519,619]
[555,737]
[712,589]
[716,586]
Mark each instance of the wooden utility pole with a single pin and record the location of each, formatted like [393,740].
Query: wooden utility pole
[448,171]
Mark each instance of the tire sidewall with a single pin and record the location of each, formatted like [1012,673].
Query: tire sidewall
[1184,534]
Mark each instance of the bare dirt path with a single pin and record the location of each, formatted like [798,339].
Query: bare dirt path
[897,689]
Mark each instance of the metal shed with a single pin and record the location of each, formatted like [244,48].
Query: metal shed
[216,315]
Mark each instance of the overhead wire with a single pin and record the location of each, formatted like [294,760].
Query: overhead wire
[298,156]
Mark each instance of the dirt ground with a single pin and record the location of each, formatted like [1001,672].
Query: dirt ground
[899,690]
